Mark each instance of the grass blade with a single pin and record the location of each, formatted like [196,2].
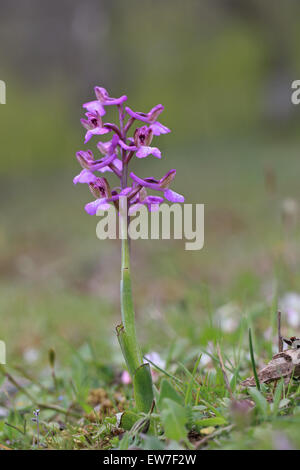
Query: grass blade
[253,361]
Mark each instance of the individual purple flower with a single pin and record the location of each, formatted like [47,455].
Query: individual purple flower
[160,185]
[141,143]
[150,118]
[103,99]
[142,139]
[88,162]
[93,124]
[101,190]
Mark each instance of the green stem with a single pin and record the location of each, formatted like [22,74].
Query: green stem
[126,332]
[127,308]
[140,372]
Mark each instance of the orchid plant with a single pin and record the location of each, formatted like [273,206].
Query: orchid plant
[117,154]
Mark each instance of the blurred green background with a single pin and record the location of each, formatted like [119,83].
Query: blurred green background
[223,70]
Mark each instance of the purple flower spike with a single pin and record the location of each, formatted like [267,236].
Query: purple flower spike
[124,146]
[150,118]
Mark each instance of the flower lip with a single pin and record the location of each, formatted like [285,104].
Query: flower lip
[85,176]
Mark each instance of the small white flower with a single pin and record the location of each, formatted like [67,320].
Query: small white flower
[290,306]
[205,360]
[227,317]
[31,355]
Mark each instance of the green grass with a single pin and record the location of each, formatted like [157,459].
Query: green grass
[59,289]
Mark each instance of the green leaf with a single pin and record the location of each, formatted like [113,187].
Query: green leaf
[168,391]
[188,395]
[174,419]
[277,397]
[215,421]
[125,441]
[260,401]
[152,443]
[128,349]
[143,391]
[128,419]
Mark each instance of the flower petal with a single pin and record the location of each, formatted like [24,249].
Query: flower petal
[140,116]
[145,183]
[144,151]
[153,202]
[103,162]
[158,128]
[94,107]
[92,207]
[85,176]
[115,101]
[96,131]
[173,196]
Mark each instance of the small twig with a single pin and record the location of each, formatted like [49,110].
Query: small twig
[211,436]
[57,408]
[15,427]
[29,377]
[280,342]
[17,385]
[44,406]
[227,384]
